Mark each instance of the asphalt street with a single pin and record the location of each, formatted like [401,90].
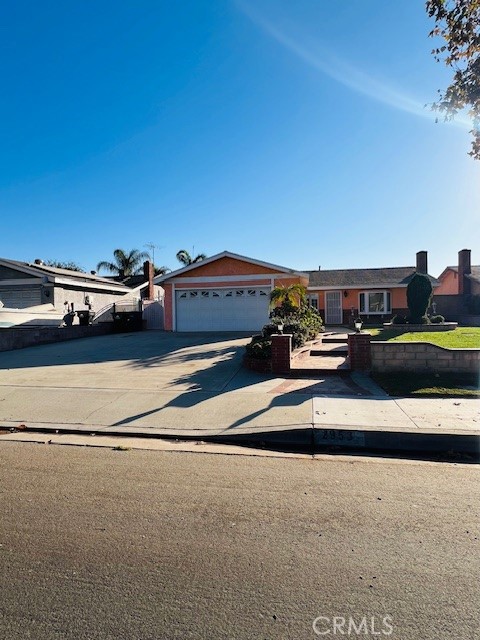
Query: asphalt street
[161,545]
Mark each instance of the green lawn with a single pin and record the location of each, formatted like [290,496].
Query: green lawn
[460,338]
[440,385]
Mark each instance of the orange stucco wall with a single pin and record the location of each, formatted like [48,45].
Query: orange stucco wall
[448,284]
[398,298]
[286,282]
[212,285]
[224,267]
[228,267]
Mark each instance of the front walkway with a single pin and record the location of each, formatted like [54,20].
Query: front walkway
[328,353]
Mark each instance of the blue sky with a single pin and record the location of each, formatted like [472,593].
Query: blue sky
[292,132]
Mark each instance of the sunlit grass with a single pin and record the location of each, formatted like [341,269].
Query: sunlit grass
[441,385]
[460,338]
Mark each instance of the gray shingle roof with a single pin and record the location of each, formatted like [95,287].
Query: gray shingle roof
[65,273]
[381,277]
[475,275]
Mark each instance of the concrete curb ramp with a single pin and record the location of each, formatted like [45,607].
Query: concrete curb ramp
[306,439]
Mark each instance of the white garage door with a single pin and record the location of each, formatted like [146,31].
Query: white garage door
[21,298]
[222,309]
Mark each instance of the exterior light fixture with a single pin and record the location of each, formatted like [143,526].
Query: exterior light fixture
[358,325]
[345,294]
[280,326]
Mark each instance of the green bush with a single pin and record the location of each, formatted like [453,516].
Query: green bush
[259,347]
[399,319]
[310,318]
[300,333]
[422,320]
[303,323]
[437,319]
[419,295]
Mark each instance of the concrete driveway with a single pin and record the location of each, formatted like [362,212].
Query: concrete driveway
[170,383]
[194,385]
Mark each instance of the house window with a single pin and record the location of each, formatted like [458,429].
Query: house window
[312,299]
[375,302]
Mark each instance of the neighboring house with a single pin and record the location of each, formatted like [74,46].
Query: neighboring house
[226,292]
[373,294]
[26,284]
[458,293]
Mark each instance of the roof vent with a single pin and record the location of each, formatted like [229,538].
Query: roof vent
[38,261]
[319,267]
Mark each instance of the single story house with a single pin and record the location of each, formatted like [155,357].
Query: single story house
[226,292]
[230,292]
[373,294]
[27,284]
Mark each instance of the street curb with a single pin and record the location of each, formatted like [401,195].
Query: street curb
[309,440]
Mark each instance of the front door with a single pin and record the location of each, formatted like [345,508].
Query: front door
[333,307]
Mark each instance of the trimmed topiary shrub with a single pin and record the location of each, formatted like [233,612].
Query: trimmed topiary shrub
[437,319]
[419,295]
[399,319]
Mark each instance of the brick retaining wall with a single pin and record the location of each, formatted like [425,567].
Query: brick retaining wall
[422,357]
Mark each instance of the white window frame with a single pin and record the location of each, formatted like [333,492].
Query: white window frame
[312,299]
[387,302]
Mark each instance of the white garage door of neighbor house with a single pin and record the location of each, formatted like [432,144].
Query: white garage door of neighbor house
[21,298]
[222,309]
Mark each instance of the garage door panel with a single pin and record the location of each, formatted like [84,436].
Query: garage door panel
[238,309]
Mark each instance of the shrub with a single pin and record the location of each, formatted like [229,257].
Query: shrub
[437,319]
[419,295]
[421,320]
[399,319]
[310,318]
[259,347]
[304,323]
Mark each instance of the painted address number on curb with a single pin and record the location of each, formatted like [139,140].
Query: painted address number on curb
[340,437]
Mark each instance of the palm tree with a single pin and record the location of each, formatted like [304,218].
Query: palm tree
[160,271]
[186,259]
[289,298]
[125,264]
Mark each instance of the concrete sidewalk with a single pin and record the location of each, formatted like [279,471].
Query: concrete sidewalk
[190,388]
[281,413]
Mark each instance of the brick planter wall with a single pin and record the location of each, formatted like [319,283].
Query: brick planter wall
[281,352]
[258,365]
[359,351]
[421,357]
